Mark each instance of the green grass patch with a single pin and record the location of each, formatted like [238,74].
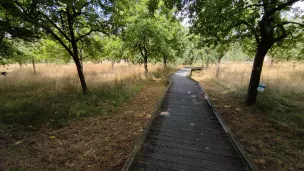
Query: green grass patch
[286,107]
[58,108]
[31,107]
[283,107]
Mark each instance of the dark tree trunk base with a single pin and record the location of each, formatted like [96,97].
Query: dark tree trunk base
[256,73]
[34,66]
[146,65]
[81,75]
[165,61]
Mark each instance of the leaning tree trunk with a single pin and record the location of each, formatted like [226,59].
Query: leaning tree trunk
[34,66]
[271,62]
[207,63]
[81,75]
[79,67]
[218,67]
[207,58]
[256,72]
[128,61]
[146,64]
[165,61]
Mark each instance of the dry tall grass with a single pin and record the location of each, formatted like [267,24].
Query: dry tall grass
[53,95]
[280,77]
[284,95]
[52,77]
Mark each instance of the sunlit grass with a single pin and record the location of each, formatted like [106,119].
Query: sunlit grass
[53,95]
[283,98]
[280,77]
[51,77]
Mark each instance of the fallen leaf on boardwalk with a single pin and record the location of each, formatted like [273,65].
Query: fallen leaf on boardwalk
[18,142]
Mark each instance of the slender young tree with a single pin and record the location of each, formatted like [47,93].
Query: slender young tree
[221,50]
[147,32]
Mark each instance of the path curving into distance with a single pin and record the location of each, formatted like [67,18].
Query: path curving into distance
[186,135]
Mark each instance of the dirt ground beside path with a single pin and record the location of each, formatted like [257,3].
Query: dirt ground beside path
[95,143]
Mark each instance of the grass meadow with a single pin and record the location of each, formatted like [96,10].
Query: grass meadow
[283,98]
[46,123]
[53,95]
[272,130]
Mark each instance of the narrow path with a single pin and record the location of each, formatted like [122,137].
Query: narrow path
[186,135]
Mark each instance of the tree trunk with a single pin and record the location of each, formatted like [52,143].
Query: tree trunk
[207,58]
[146,64]
[271,62]
[75,53]
[81,75]
[218,67]
[165,61]
[112,62]
[129,63]
[34,66]
[256,73]
[79,67]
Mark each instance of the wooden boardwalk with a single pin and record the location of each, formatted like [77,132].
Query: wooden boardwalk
[186,135]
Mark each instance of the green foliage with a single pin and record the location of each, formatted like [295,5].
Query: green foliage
[50,51]
[90,48]
[235,53]
[153,33]
[252,22]
[113,49]
[7,51]
[289,49]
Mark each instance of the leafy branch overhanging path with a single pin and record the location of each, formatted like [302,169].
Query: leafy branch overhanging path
[186,134]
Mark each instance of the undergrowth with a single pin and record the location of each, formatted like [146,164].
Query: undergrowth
[283,97]
[36,103]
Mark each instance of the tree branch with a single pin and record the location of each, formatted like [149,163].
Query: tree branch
[278,8]
[58,39]
[20,6]
[55,25]
[284,33]
[252,30]
[254,5]
[86,34]
[77,13]
[282,6]
[291,22]
[140,49]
